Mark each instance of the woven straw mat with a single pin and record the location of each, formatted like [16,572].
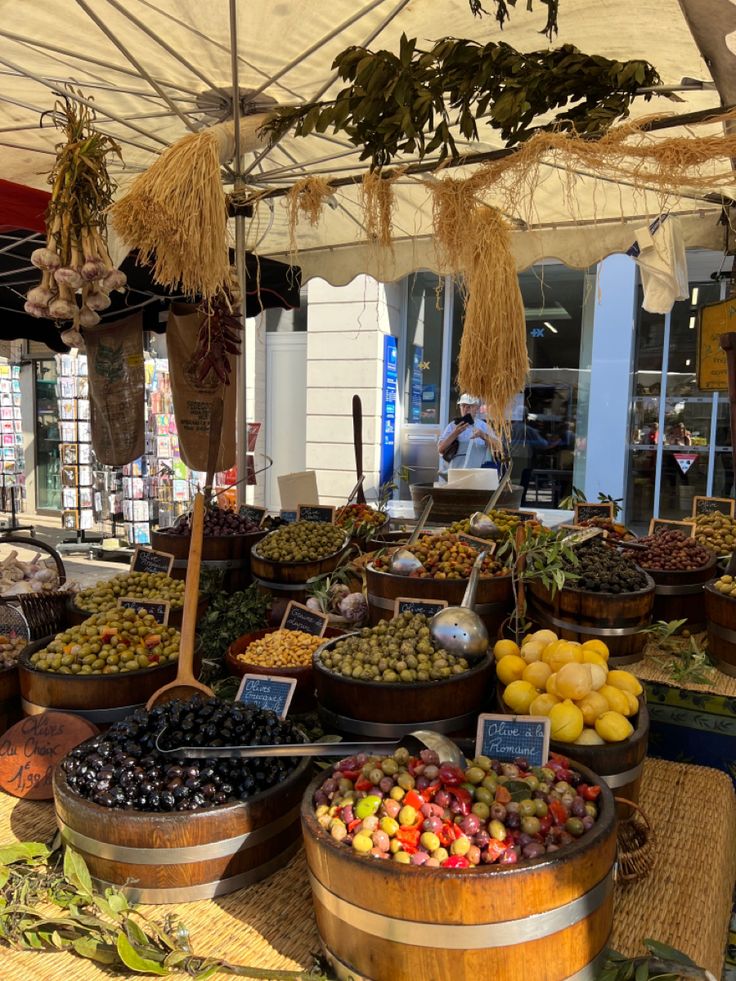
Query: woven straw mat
[651,668]
[685,901]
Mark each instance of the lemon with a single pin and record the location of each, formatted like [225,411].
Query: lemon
[537,673]
[626,681]
[566,721]
[574,681]
[510,668]
[532,651]
[550,649]
[542,704]
[613,727]
[617,700]
[592,705]
[503,647]
[593,657]
[589,737]
[544,637]
[566,653]
[551,686]
[597,645]
[519,695]
[599,676]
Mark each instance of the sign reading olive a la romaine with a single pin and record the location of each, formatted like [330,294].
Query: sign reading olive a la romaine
[714,505]
[300,617]
[585,510]
[252,513]
[316,512]
[149,560]
[658,525]
[267,692]
[159,609]
[506,737]
[405,604]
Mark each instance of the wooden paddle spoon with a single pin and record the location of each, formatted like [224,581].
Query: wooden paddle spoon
[185,685]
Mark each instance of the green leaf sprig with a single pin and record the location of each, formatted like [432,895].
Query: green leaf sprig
[228,617]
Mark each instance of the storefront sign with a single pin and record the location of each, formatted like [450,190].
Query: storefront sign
[506,737]
[589,509]
[316,512]
[159,610]
[30,750]
[713,505]
[685,460]
[405,604]
[252,513]
[299,617]
[388,420]
[714,319]
[658,525]
[267,692]
[149,560]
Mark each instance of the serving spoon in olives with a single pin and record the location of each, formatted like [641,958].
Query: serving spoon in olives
[403,562]
[480,524]
[459,629]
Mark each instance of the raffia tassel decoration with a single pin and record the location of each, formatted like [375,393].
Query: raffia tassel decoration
[377,200]
[306,198]
[493,361]
[175,214]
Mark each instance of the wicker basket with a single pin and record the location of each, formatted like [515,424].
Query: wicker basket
[45,612]
[635,853]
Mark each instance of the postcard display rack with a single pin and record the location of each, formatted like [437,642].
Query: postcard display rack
[12,471]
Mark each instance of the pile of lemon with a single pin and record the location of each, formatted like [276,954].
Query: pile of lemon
[570,683]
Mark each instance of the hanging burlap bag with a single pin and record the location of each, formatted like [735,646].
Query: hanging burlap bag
[117,390]
[193,399]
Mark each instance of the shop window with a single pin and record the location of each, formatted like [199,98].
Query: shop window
[423,361]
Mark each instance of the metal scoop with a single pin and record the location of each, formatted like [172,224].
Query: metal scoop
[480,524]
[458,629]
[403,561]
[445,748]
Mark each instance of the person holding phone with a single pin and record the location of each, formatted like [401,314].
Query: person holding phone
[466,441]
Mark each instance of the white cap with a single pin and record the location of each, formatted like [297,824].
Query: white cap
[468,400]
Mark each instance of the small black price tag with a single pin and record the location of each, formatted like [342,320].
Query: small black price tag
[158,609]
[504,737]
[404,604]
[593,509]
[299,617]
[316,512]
[658,525]
[252,513]
[288,516]
[267,692]
[149,560]
[713,505]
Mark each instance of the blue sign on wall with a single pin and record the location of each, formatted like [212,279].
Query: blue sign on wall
[388,424]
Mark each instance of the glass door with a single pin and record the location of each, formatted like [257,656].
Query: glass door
[48,477]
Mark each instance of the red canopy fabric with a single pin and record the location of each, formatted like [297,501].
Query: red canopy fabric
[22,207]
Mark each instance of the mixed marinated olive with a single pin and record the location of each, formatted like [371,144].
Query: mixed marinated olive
[444,556]
[302,541]
[141,585]
[673,550]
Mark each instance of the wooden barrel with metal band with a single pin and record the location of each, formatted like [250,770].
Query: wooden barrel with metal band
[679,595]
[494,599]
[615,618]
[228,554]
[720,611]
[180,857]
[286,581]
[548,919]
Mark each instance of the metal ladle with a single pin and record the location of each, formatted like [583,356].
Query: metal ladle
[403,562]
[458,629]
[480,524]
[445,748]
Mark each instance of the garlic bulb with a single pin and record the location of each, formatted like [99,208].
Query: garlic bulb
[115,280]
[35,309]
[98,300]
[45,259]
[69,277]
[40,296]
[92,269]
[72,338]
[62,309]
[88,317]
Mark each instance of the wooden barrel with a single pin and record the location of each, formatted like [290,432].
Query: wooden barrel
[455,503]
[679,595]
[286,581]
[547,919]
[377,710]
[720,612]
[387,539]
[304,699]
[10,709]
[494,599]
[614,618]
[99,698]
[179,857]
[228,554]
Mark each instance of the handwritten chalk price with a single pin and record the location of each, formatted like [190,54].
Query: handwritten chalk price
[149,560]
[267,692]
[300,617]
[506,737]
[31,749]
[405,604]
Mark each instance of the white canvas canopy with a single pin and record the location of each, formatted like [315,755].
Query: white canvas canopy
[152,67]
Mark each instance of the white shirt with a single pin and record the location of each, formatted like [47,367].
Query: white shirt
[471,453]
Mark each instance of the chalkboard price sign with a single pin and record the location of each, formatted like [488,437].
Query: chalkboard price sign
[504,737]
[267,692]
[288,516]
[316,512]
[299,617]
[404,604]
[714,505]
[159,609]
[658,525]
[149,560]
[593,509]
[521,515]
[253,513]
[479,544]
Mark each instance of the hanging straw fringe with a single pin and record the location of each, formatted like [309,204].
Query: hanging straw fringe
[306,198]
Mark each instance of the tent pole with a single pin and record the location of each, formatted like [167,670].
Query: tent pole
[241,376]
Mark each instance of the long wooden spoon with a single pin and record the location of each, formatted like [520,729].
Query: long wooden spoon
[185,685]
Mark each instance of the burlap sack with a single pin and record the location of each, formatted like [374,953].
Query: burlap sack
[117,390]
[193,399]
